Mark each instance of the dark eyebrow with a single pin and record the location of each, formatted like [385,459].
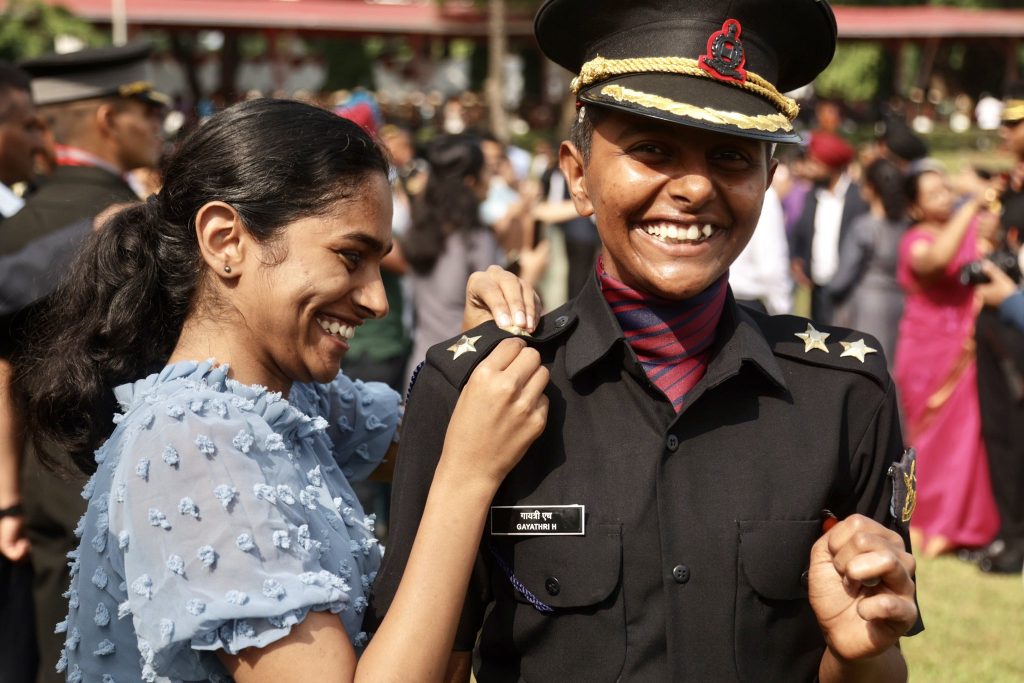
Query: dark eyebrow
[372,243]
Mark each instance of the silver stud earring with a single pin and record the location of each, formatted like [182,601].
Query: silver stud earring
[227,269]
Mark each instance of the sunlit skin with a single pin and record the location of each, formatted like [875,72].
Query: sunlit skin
[1013,137]
[644,172]
[322,268]
[934,203]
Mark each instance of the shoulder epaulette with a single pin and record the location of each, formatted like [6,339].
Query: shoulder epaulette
[456,357]
[840,348]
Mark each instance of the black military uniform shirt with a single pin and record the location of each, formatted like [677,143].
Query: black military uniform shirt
[698,526]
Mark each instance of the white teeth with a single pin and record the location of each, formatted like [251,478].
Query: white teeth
[341,330]
[680,233]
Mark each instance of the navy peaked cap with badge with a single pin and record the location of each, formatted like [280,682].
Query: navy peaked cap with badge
[91,73]
[713,64]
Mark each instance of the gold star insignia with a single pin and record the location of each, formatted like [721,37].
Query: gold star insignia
[464,345]
[857,349]
[813,339]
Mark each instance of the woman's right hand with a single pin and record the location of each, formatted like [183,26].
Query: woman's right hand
[501,411]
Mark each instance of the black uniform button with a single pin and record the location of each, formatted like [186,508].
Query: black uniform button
[672,442]
[561,321]
[551,586]
[681,573]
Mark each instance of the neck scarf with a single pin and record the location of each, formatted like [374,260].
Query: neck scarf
[671,339]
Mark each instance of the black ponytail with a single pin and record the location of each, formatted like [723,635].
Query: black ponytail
[118,313]
[886,180]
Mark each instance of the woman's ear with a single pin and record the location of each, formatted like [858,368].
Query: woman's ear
[223,240]
[570,160]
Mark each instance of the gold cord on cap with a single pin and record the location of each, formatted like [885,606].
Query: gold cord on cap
[1013,111]
[770,123]
[599,69]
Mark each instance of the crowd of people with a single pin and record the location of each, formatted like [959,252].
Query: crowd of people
[174,316]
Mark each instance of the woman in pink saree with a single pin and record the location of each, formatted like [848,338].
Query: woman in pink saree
[935,371]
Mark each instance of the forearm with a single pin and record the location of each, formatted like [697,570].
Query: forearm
[11,441]
[946,245]
[428,603]
[888,667]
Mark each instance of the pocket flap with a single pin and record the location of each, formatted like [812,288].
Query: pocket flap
[774,554]
[567,571]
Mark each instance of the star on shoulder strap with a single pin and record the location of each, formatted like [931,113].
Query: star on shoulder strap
[813,339]
[464,345]
[857,349]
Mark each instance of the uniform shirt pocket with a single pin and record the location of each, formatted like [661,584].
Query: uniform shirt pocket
[566,609]
[777,633]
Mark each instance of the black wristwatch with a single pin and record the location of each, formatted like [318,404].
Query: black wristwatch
[16,510]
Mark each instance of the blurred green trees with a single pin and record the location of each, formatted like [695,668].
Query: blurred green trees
[29,28]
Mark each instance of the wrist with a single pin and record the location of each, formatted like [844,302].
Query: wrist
[12,510]
[886,666]
[470,486]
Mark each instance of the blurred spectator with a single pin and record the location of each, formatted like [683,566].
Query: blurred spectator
[935,370]
[106,120]
[759,276]
[580,234]
[792,185]
[1000,341]
[900,144]
[20,141]
[447,240]
[864,289]
[828,213]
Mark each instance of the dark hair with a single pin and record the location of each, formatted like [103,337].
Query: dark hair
[12,78]
[582,131]
[886,181]
[119,312]
[446,205]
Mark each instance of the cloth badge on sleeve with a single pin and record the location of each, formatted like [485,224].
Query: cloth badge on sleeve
[904,487]
[538,520]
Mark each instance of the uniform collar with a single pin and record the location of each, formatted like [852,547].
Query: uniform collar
[739,340]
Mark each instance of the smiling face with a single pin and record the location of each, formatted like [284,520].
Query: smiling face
[674,205]
[299,311]
[934,202]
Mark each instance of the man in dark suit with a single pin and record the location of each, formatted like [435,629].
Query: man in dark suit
[20,140]
[828,213]
[105,118]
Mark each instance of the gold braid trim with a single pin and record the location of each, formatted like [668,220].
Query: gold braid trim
[1013,111]
[766,122]
[599,69]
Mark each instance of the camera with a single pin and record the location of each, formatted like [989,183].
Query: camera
[1004,259]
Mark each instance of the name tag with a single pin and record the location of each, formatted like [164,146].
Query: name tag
[537,520]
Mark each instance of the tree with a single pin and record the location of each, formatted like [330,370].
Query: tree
[29,28]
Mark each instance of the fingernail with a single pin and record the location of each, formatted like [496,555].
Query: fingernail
[504,320]
[520,318]
[529,322]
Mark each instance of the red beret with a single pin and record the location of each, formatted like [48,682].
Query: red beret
[830,149]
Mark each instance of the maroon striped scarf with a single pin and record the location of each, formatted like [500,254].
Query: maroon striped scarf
[671,339]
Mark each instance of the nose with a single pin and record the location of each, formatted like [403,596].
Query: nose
[692,186]
[370,297]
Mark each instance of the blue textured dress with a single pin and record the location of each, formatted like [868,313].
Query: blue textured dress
[220,514]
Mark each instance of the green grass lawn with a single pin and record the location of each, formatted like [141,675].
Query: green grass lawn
[974,625]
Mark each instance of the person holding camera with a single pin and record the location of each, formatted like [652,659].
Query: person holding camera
[1000,341]
[935,368]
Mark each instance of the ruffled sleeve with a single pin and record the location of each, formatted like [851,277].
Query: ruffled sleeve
[363,419]
[214,521]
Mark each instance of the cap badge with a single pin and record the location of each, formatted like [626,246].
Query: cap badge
[725,58]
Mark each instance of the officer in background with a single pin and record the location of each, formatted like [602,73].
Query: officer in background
[718,494]
[20,140]
[105,118]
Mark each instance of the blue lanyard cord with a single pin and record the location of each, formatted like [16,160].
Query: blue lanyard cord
[518,585]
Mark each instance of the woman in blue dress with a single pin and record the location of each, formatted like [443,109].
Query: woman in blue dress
[222,538]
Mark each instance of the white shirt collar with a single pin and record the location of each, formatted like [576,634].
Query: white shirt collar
[10,203]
